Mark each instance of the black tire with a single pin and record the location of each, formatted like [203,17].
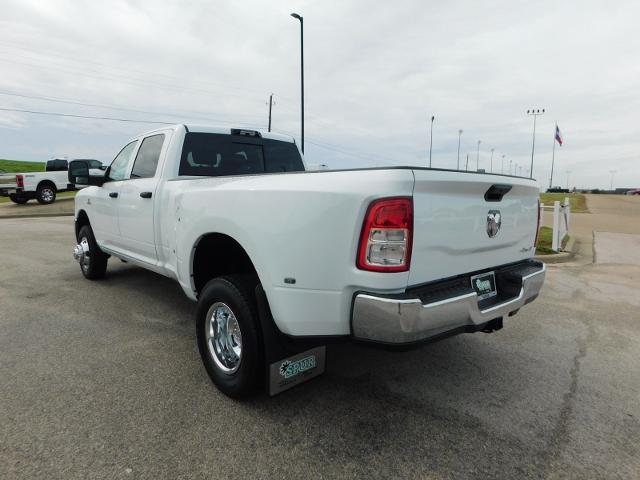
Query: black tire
[46,193]
[236,293]
[19,199]
[97,265]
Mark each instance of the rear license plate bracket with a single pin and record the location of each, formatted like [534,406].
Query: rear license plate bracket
[484,284]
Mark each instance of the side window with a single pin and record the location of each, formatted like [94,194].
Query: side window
[146,161]
[215,155]
[282,157]
[57,165]
[118,168]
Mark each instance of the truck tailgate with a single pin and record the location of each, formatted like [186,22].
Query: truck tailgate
[451,217]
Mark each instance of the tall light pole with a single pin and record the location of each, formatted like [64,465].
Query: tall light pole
[491,164]
[295,15]
[510,162]
[433,117]
[502,166]
[612,172]
[535,114]
[478,156]
[459,135]
[568,172]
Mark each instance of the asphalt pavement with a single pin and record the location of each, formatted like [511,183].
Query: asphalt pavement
[103,380]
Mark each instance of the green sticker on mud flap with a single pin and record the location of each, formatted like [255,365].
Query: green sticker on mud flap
[296,369]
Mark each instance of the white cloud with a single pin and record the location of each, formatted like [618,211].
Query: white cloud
[375,73]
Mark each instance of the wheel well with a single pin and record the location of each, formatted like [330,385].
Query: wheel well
[81,221]
[217,254]
[47,183]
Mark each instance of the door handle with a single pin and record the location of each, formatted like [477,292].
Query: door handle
[145,194]
[113,194]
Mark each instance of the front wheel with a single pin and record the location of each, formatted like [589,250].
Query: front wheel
[227,334]
[93,261]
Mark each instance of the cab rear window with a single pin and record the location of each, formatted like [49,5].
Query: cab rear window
[214,155]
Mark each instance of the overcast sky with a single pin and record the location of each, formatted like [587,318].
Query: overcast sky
[375,73]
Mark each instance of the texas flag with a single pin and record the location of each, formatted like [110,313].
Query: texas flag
[558,136]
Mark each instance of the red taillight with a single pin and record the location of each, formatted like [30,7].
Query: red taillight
[387,233]
[535,243]
[20,181]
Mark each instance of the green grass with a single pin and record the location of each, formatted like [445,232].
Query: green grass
[18,166]
[578,201]
[543,246]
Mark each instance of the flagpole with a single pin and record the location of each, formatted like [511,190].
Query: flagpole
[553,156]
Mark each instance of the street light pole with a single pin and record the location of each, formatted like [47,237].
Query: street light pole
[491,164]
[478,157]
[431,139]
[510,162]
[459,135]
[502,166]
[295,15]
[535,114]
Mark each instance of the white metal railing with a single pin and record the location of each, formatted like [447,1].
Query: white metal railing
[561,221]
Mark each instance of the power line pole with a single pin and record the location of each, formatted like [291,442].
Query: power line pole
[270,105]
[535,114]
[459,135]
[431,139]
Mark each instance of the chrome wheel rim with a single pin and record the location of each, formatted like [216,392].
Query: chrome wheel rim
[224,338]
[85,260]
[47,194]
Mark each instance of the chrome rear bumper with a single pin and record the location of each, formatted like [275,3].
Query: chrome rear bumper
[396,319]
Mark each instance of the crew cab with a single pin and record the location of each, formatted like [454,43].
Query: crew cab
[42,186]
[282,260]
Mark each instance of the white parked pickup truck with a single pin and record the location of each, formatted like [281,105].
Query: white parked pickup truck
[282,261]
[42,186]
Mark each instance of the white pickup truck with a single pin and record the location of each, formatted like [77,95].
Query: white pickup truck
[283,261]
[42,186]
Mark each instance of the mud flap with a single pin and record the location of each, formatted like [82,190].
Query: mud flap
[289,372]
[288,364]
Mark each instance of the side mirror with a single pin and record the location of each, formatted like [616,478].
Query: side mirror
[79,174]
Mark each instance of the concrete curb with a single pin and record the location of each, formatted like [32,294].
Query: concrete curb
[560,257]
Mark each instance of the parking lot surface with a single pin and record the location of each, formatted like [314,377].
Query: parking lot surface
[103,380]
[62,206]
